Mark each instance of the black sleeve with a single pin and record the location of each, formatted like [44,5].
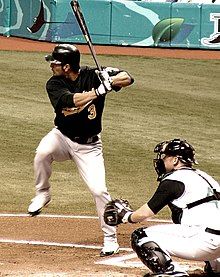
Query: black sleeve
[167,191]
[60,96]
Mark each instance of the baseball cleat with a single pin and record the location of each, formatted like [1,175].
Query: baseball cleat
[38,202]
[109,249]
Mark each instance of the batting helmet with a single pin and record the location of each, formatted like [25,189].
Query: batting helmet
[65,54]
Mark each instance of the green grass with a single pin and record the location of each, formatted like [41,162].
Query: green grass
[170,98]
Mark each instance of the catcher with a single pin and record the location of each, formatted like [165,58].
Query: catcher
[193,198]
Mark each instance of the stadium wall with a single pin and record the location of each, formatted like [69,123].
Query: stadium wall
[116,22]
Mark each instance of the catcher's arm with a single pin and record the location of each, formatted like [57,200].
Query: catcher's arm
[117,211]
[142,214]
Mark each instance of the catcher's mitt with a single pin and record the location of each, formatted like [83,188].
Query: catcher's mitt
[117,211]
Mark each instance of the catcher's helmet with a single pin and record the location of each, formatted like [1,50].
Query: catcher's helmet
[65,54]
[177,148]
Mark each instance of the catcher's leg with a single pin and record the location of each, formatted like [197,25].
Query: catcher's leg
[90,162]
[153,256]
[212,268]
[150,253]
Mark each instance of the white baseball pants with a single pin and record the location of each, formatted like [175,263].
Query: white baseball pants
[90,163]
[186,242]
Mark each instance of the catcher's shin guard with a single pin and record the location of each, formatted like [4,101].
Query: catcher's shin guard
[209,271]
[150,253]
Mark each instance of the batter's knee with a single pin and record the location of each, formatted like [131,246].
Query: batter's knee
[42,156]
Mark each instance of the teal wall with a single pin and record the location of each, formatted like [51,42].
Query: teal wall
[117,22]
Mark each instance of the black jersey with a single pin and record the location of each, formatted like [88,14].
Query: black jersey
[70,120]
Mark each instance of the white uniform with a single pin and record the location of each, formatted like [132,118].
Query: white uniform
[57,147]
[197,236]
[198,185]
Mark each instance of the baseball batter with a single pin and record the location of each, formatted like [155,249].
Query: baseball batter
[77,95]
[193,197]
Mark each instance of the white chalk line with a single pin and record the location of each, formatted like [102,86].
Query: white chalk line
[51,216]
[73,216]
[31,242]
[128,260]
[49,243]
[122,261]
[46,243]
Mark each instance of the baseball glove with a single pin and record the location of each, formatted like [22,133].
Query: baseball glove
[117,211]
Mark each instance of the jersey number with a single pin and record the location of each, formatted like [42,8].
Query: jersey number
[92,112]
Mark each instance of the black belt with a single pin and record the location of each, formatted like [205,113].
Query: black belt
[83,140]
[212,231]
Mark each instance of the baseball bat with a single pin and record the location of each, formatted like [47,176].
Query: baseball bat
[82,24]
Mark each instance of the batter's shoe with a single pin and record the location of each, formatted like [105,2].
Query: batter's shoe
[38,202]
[109,249]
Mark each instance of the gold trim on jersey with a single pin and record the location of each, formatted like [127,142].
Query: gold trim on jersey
[74,110]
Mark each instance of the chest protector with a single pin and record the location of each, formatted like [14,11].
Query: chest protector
[199,203]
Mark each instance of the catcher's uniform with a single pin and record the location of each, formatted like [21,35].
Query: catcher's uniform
[76,137]
[196,212]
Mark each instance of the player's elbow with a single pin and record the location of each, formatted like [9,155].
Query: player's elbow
[122,79]
[127,79]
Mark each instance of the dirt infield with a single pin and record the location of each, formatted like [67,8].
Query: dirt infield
[18,44]
[56,246]
[68,246]
[43,246]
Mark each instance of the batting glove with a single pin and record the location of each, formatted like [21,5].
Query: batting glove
[112,70]
[105,79]
[101,90]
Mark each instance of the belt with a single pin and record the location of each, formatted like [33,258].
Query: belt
[83,140]
[212,231]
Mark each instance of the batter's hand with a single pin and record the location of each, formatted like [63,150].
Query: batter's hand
[105,79]
[112,71]
[117,211]
[101,90]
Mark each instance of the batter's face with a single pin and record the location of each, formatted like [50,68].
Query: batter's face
[57,69]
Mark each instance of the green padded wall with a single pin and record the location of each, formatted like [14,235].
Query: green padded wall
[116,22]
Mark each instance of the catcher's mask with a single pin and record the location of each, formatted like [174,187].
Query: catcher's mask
[176,148]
